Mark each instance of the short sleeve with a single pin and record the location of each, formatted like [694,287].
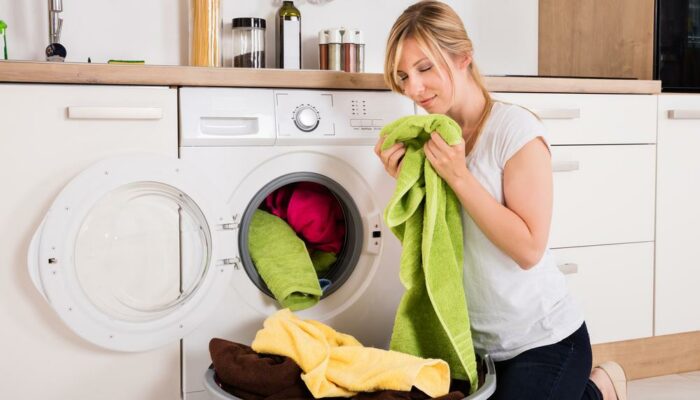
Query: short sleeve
[519,127]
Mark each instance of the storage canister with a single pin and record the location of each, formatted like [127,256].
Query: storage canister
[349,51]
[359,51]
[335,52]
[248,42]
[205,33]
[323,49]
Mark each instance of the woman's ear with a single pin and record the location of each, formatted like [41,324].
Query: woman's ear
[465,61]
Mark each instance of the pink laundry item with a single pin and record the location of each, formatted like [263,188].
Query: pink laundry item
[313,213]
[277,201]
[316,216]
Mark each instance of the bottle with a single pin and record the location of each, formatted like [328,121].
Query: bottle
[248,42]
[360,51]
[288,36]
[323,49]
[335,53]
[205,39]
[349,51]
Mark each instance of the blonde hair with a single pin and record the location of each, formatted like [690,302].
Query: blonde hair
[439,32]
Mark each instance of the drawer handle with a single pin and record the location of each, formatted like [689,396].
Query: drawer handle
[565,166]
[122,113]
[229,126]
[568,268]
[683,114]
[558,113]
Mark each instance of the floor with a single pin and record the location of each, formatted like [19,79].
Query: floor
[685,386]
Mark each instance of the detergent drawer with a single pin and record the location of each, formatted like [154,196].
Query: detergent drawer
[614,284]
[603,194]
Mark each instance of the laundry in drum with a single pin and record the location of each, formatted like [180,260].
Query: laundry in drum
[283,262]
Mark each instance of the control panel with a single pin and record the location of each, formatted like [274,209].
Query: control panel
[336,117]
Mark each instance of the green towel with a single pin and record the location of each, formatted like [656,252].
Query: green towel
[283,262]
[322,260]
[432,320]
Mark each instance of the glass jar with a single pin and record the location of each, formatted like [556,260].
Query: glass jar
[248,42]
[205,33]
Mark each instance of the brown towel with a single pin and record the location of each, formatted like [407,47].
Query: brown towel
[251,376]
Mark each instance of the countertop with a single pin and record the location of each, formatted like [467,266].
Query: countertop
[159,75]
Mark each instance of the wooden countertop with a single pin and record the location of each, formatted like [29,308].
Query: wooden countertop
[159,75]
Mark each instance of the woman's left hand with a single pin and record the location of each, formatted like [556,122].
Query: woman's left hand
[448,161]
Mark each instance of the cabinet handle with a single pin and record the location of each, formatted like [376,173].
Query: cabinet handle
[568,268]
[565,166]
[558,113]
[122,113]
[683,114]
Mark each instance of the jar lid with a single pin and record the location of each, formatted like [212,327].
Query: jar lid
[349,36]
[248,22]
[359,37]
[323,37]
[334,35]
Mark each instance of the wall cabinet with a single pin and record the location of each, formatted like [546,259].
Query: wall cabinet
[678,215]
[49,134]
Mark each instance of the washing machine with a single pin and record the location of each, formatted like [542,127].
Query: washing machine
[142,250]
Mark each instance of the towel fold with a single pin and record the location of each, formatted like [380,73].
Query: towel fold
[283,262]
[337,365]
[424,213]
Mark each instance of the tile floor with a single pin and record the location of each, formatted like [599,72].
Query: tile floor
[685,386]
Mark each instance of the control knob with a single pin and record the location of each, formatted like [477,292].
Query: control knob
[306,118]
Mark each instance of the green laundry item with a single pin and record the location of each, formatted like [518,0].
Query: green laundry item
[432,320]
[3,32]
[283,262]
[322,260]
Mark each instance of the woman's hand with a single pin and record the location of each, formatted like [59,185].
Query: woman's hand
[391,157]
[448,161]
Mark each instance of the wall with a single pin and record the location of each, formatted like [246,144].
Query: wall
[504,31]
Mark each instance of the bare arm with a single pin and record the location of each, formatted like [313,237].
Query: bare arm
[521,227]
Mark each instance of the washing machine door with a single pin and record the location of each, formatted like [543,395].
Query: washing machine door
[134,252]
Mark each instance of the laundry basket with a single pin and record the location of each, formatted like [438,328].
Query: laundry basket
[484,391]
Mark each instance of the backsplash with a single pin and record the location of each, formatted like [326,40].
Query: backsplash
[504,31]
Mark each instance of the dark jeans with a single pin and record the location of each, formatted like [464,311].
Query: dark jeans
[559,371]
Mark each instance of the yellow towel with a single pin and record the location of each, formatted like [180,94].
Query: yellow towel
[337,365]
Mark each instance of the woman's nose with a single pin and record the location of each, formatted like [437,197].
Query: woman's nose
[413,87]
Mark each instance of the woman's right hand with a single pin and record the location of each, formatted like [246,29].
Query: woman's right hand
[391,157]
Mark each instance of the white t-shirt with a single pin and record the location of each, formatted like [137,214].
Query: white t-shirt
[511,310]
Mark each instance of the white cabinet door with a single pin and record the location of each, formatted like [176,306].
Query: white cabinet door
[678,215]
[614,284]
[603,195]
[591,118]
[49,134]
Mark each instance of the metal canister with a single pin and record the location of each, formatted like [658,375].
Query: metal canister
[335,50]
[349,51]
[323,49]
[359,51]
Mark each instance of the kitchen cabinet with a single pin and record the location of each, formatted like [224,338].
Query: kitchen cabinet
[613,39]
[49,134]
[678,215]
[602,234]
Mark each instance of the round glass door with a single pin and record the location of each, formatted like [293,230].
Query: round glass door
[134,252]
[133,247]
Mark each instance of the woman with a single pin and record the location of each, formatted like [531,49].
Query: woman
[519,306]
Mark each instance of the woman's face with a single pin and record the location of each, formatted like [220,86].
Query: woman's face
[427,84]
